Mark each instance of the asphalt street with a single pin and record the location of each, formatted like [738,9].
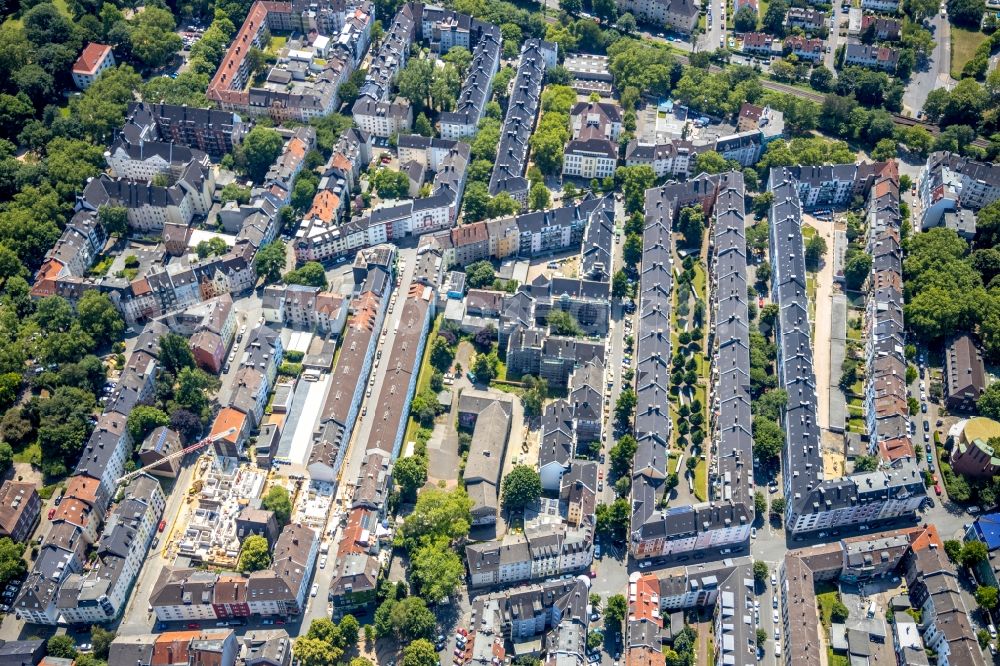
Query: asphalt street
[937,73]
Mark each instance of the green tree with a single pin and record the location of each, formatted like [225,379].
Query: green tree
[420,652]
[12,563]
[856,270]
[773,21]
[436,569]
[761,637]
[622,454]
[710,161]
[390,184]
[485,367]
[632,250]
[759,501]
[422,125]
[100,639]
[973,552]
[612,520]
[839,613]
[989,402]
[258,150]
[815,251]
[412,620]
[562,322]
[414,82]
[692,226]
[175,354]
[539,197]
[768,439]
[619,284]
[63,427]
[270,261]
[745,19]
[634,183]
[625,407]
[953,549]
[986,597]
[63,647]
[325,630]
[152,37]
[615,611]
[966,13]
[865,464]
[99,318]
[760,571]
[278,501]
[437,513]
[114,219]
[476,202]
[193,385]
[255,554]
[479,274]
[410,474]
[143,420]
[315,652]
[349,630]
[214,246]
[521,487]
[311,274]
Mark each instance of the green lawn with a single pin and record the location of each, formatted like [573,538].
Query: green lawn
[60,5]
[424,378]
[701,481]
[277,43]
[31,454]
[834,659]
[963,46]
[826,600]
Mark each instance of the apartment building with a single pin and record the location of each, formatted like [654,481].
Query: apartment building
[680,15]
[150,207]
[724,522]
[949,182]
[280,590]
[95,59]
[478,83]
[593,149]
[545,550]
[208,130]
[534,352]
[883,58]
[881,27]
[815,502]
[891,6]
[304,307]
[965,374]
[519,123]
[100,592]
[667,159]
[810,20]
[20,508]
[354,582]
[804,48]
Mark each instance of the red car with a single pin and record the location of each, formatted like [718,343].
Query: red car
[52,512]
[463,631]
[163,525]
[193,625]
[760,301]
[937,489]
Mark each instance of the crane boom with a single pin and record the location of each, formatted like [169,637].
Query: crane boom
[177,454]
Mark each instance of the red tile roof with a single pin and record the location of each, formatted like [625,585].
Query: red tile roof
[93,55]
